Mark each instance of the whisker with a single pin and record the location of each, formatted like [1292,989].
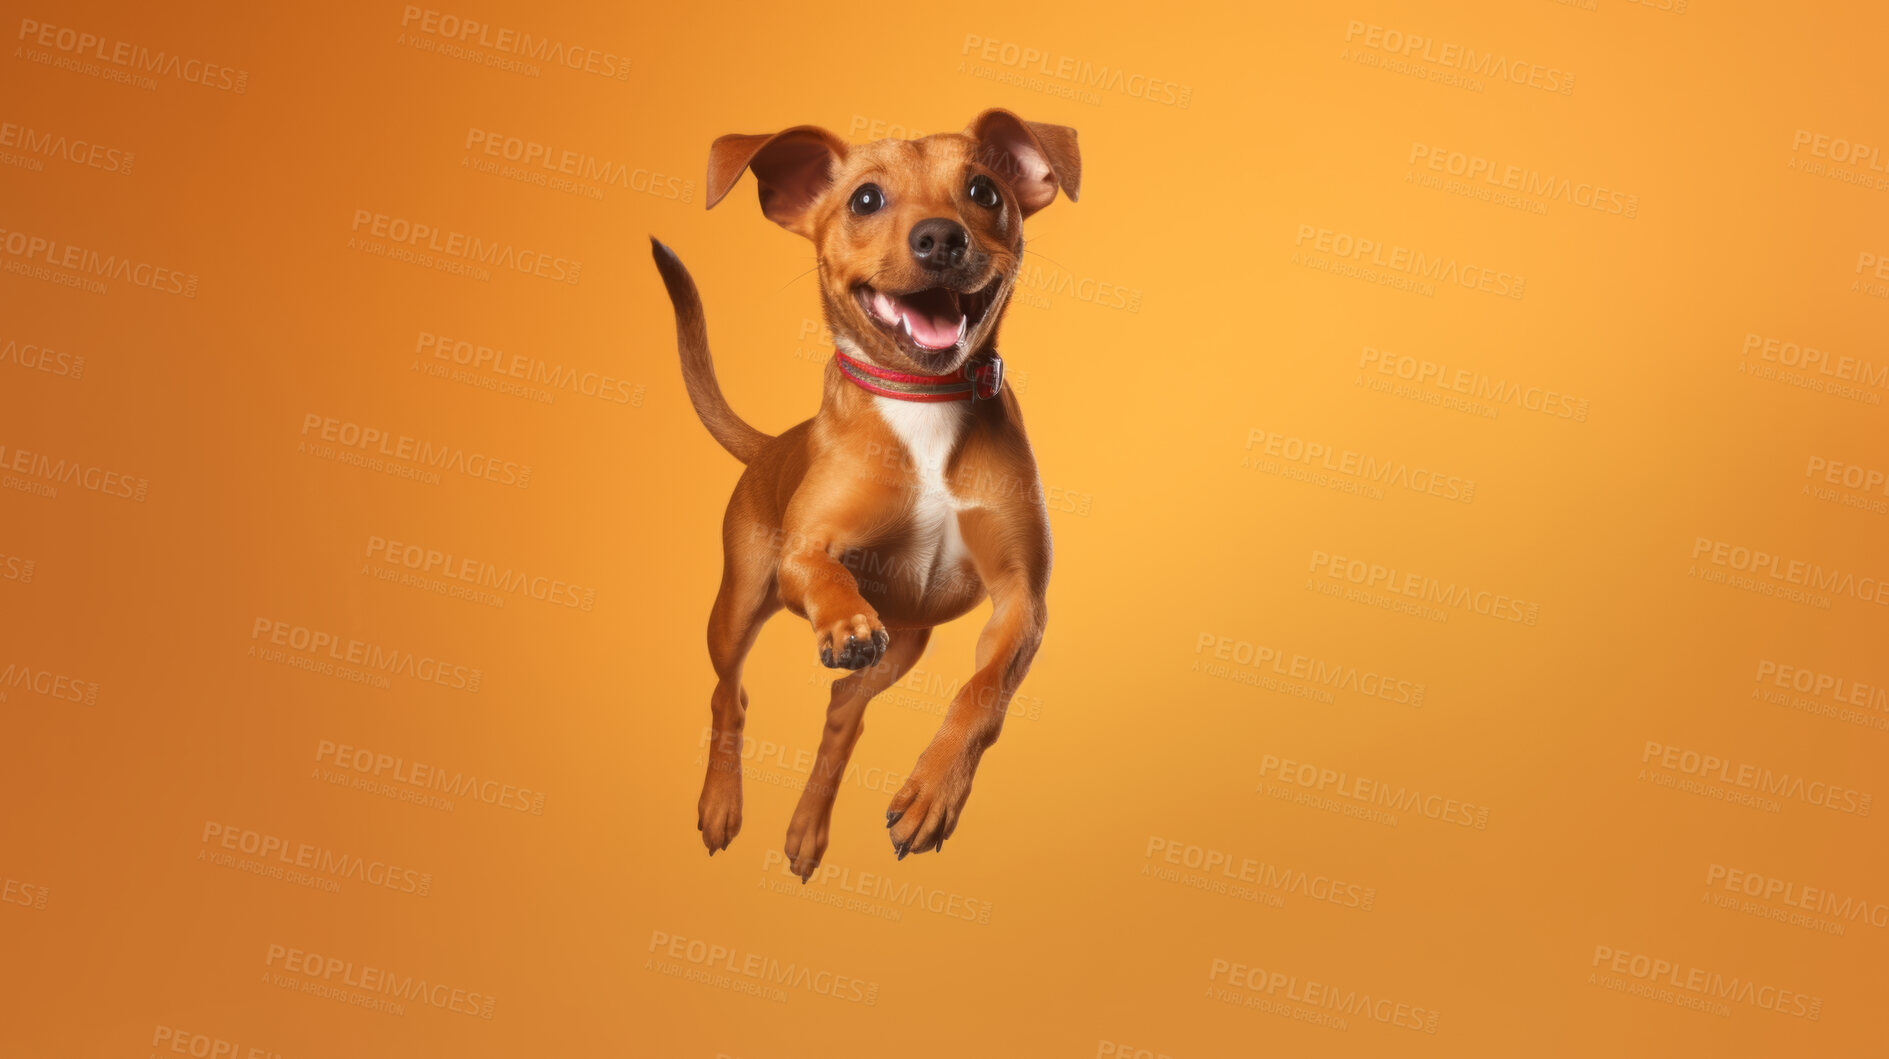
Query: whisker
[1045,257]
[798,278]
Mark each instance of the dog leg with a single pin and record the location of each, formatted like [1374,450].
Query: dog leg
[846,628]
[845,721]
[745,601]
[925,811]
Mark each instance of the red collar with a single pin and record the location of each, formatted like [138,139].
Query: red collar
[980,379]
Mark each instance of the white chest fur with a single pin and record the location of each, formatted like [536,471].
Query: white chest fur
[929,432]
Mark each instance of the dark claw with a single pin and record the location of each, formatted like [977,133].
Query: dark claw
[856,653]
[893,818]
[904,848]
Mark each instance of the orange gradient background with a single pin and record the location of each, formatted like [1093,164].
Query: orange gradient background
[1169,325]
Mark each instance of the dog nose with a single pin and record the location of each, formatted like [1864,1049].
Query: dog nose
[939,243]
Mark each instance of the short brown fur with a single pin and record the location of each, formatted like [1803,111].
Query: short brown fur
[836,519]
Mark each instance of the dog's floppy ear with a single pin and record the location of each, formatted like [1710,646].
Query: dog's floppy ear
[791,166]
[1033,157]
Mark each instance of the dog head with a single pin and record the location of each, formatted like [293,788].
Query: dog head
[918,241]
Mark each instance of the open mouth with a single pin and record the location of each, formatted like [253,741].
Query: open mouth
[931,320]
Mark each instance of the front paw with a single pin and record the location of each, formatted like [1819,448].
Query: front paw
[925,811]
[856,643]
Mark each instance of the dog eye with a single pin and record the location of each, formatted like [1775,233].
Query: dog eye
[984,192]
[868,199]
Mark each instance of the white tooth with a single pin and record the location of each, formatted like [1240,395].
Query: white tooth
[964,324]
[906,322]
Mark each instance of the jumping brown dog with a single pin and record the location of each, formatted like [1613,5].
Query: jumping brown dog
[912,494]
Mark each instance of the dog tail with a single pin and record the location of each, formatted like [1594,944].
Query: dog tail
[698,366]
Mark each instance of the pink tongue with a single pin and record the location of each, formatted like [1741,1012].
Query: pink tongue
[931,331]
